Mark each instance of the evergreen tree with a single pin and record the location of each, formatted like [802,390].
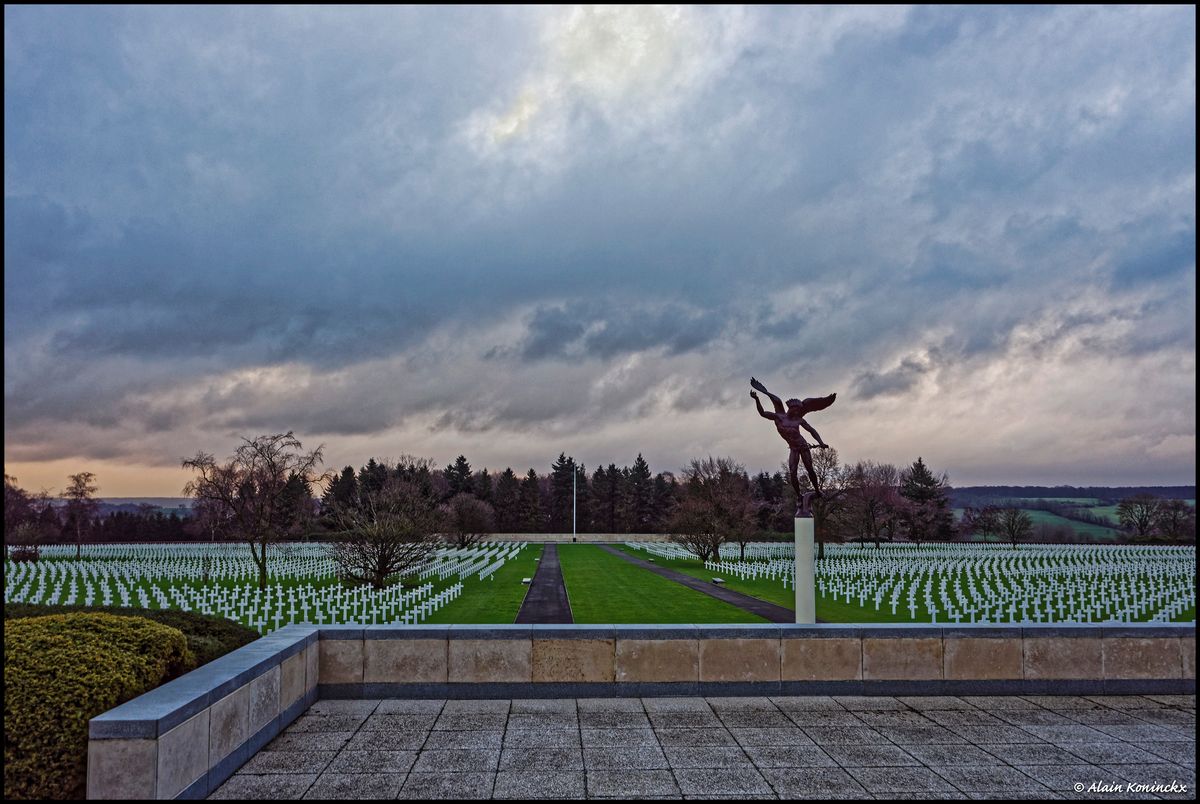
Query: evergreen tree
[507,501]
[530,510]
[640,490]
[483,485]
[343,490]
[561,476]
[583,505]
[664,501]
[372,477]
[926,511]
[458,477]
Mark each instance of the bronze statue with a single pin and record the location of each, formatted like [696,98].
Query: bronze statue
[788,424]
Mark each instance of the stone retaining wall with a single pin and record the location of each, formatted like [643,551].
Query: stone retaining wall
[185,738]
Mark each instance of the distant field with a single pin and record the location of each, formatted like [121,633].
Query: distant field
[1045,517]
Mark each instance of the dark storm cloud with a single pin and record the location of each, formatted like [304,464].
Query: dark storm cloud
[231,219]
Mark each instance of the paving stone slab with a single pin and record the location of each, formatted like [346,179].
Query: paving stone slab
[988,778]
[610,705]
[792,736]
[325,723]
[387,741]
[863,756]
[682,704]
[535,785]
[477,707]
[935,755]
[450,721]
[310,741]
[722,781]
[1110,753]
[340,707]
[995,734]
[1063,778]
[933,735]
[755,719]
[746,704]
[617,738]
[789,756]
[858,735]
[925,702]
[543,705]
[273,787]
[869,703]
[1179,753]
[899,780]
[685,720]
[889,719]
[534,738]
[400,722]
[1030,753]
[694,738]
[1164,716]
[561,721]
[806,703]
[372,762]
[457,761]
[541,759]
[645,757]
[1041,717]
[448,785]
[439,740]
[287,762]
[1143,734]
[995,703]
[1102,717]
[963,717]
[813,782]
[631,783]
[613,720]
[706,757]
[396,706]
[330,786]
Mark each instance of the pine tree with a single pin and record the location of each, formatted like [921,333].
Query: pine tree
[372,477]
[664,501]
[640,490]
[458,477]
[483,485]
[926,514]
[531,504]
[343,490]
[507,500]
[561,475]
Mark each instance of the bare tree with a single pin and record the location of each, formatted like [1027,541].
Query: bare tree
[872,499]
[81,504]
[1138,514]
[983,521]
[1175,521]
[829,510]
[384,533]
[255,490]
[1015,525]
[717,507]
[467,519]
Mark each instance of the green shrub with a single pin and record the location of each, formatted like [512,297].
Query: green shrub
[62,670]
[208,637]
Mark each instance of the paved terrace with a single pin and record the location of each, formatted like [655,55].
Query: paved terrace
[752,747]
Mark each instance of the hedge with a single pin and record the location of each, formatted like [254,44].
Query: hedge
[208,637]
[62,670]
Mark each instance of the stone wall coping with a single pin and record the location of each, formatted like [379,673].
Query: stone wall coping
[161,709]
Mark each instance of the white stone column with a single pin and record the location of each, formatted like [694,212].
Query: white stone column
[806,581]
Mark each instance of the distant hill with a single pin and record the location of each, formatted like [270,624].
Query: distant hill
[181,506]
[978,495]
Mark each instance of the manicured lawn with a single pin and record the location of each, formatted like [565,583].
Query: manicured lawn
[497,599]
[605,589]
[829,609]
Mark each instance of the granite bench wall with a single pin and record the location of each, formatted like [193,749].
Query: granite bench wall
[185,738]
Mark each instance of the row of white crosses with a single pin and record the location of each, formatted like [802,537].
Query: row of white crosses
[222,579]
[988,583]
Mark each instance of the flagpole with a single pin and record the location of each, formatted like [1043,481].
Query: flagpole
[574,479]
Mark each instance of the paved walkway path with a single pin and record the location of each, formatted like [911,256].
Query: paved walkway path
[768,611]
[806,747]
[546,601]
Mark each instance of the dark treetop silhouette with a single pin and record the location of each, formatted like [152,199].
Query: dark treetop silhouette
[788,424]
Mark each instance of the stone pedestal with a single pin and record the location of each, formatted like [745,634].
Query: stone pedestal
[806,581]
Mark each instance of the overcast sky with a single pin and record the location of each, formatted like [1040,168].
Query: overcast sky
[514,232]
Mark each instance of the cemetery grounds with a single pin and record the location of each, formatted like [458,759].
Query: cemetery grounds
[895,583]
